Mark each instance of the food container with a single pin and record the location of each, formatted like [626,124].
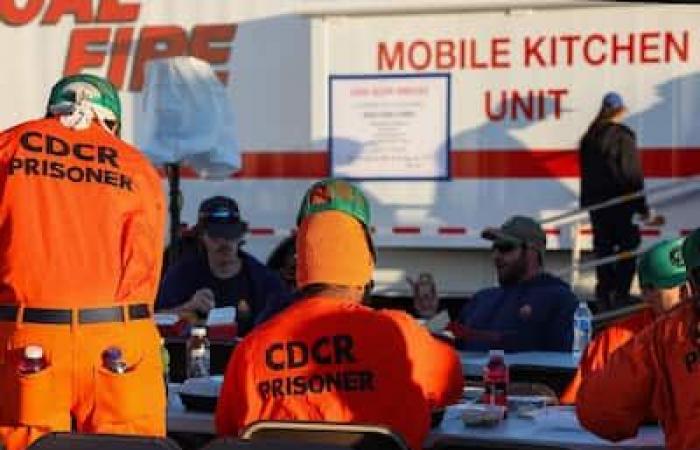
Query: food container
[475,415]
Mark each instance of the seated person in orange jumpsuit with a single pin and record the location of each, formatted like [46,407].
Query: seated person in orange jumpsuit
[328,357]
[655,374]
[662,279]
[81,217]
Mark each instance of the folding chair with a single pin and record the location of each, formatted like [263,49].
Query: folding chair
[81,441]
[266,444]
[345,435]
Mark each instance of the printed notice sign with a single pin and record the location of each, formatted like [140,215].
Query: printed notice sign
[389,126]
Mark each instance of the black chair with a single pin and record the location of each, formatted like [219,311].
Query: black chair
[266,444]
[348,436]
[81,441]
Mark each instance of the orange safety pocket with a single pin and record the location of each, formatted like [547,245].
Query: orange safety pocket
[123,397]
[36,405]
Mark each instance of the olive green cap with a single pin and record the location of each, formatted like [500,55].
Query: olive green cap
[518,230]
[662,266]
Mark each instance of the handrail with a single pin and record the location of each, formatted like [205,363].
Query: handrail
[573,214]
[576,267]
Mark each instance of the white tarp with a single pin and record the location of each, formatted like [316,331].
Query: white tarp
[186,117]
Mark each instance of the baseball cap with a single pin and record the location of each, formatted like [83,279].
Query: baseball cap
[613,100]
[333,194]
[518,230]
[691,250]
[662,265]
[219,216]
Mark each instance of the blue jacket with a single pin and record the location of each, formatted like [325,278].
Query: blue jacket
[256,283]
[536,315]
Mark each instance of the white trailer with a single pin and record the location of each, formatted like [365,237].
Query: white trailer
[490,99]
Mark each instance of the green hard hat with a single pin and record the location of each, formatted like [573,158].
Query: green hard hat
[691,250]
[333,194]
[98,91]
[662,266]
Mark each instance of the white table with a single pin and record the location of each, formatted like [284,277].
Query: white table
[556,426]
[473,362]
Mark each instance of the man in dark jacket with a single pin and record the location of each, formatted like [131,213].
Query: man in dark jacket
[222,275]
[530,310]
[610,168]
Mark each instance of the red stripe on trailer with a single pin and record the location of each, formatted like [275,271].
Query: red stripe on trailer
[405,230]
[650,232]
[262,231]
[544,163]
[452,230]
[552,231]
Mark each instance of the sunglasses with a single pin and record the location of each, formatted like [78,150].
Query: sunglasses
[504,247]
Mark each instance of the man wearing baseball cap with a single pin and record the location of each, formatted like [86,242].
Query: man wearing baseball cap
[222,274]
[611,168]
[662,277]
[530,310]
[656,374]
[328,357]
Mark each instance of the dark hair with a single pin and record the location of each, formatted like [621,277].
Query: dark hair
[604,116]
[279,254]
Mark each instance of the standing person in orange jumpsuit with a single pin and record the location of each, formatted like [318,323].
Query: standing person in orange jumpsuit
[662,279]
[328,357]
[81,236]
[656,374]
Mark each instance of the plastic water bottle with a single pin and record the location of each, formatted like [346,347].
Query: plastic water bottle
[496,379]
[113,360]
[583,327]
[198,353]
[32,361]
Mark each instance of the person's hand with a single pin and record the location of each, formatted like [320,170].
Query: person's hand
[655,220]
[201,302]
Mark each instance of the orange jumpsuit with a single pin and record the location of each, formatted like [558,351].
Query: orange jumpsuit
[81,233]
[654,374]
[326,359]
[602,347]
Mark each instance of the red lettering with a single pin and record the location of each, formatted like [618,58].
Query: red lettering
[14,15]
[620,47]
[81,10]
[646,47]
[113,11]
[385,61]
[156,42]
[79,57]
[557,94]
[414,51]
[495,117]
[212,43]
[532,50]
[121,48]
[570,39]
[445,54]
[680,49]
[587,53]
[474,64]
[500,47]
[517,101]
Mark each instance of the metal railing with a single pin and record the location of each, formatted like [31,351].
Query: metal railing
[577,217]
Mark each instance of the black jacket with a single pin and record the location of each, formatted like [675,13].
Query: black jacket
[610,165]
